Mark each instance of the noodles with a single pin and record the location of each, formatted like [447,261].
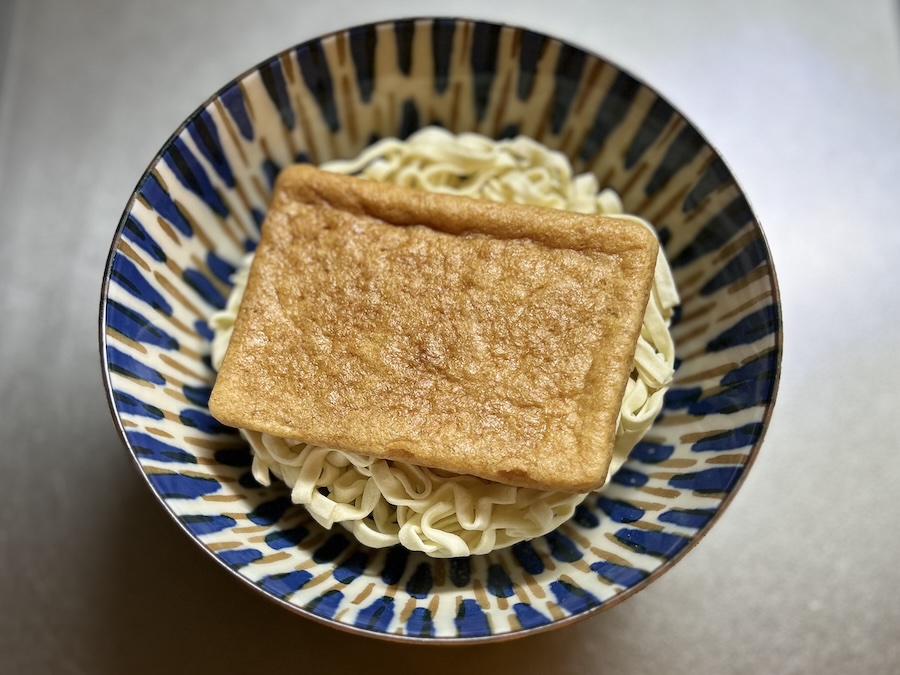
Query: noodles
[447,515]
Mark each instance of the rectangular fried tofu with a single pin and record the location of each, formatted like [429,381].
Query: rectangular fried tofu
[480,338]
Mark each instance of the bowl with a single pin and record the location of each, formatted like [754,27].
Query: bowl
[198,208]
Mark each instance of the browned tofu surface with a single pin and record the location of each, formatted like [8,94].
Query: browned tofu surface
[480,338]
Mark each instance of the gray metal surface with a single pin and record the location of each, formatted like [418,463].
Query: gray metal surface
[800,575]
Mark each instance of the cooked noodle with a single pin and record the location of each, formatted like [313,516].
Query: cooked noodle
[443,514]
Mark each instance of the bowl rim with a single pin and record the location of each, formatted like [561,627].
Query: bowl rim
[459,640]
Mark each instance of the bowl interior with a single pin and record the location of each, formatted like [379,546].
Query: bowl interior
[200,205]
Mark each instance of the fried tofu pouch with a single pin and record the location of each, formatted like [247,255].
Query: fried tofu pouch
[480,338]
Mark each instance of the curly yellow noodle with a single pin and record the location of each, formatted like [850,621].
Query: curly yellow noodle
[447,515]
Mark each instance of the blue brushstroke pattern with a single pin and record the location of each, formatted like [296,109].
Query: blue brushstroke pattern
[363,40]
[562,548]
[746,386]
[203,329]
[200,525]
[630,478]
[246,480]
[420,623]
[694,518]
[270,170]
[403,36]
[204,287]
[726,401]
[720,479]
[205,133]
[331,548]
[730,439]
[657,119]
[528,616]
[282,585]
[660,544]
[272,77]
[160,201]
[528,558]
[190,174]
[200,420]
[569,66]
[394,565]
[239,457]
[717,232]
[609,115]
[286,538]
[376,616]
[420,581]
[150,447]
[749,329]
[123,364]
[352,568]
[177,486]
[759,368]
[442,50]
[663,233]
[233,100]
[127,404]
[715,177]
[619,574]
[135,326]
[651,453]
[584,517]
[738,267]
[621,512]
[409,119]
[326,605]
[498,582]
[682,397]
[572,598]
[531,50]
[509,131]
[221,268]
[238,557]
[135,232]
[470,620]
[683,149]
[270,512]
[317,76]
[483,59]
[199,396]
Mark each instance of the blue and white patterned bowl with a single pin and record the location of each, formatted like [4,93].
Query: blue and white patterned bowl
[199,207]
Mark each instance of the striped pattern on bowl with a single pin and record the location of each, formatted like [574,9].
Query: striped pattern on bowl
[200,205]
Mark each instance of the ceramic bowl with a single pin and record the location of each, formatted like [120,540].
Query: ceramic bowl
[199,206]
